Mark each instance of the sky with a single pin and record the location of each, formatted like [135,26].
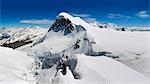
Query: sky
[43,12]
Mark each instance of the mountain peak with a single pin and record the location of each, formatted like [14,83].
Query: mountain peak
[66,24]
[65,15]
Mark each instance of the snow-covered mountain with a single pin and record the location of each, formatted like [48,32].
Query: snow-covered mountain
[73,51]
[16,37]
[139,28]
[107,25]
[63,24]
[118,27]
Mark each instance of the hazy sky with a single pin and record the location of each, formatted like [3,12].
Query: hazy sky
[43,12]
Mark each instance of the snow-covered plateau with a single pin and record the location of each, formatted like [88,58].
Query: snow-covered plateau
[73,51]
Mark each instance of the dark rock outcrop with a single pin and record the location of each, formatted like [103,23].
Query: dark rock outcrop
[18,43]
[63,24]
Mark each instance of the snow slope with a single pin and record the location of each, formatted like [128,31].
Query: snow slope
[132,48]
[94,70]
[15,67]
[108,70]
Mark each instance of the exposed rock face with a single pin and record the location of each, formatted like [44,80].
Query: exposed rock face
[14,37]
[4,36]
[64,25]
[17,44]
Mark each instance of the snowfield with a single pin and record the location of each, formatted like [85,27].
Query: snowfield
[73,51]
[15,67]
[108,71]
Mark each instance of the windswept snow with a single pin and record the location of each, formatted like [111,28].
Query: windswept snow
[110,70]
[94,70]
[15,67]
[133,48]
